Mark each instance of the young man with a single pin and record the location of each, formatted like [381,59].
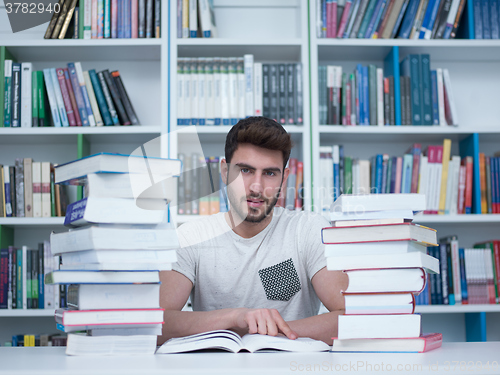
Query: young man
[257,268]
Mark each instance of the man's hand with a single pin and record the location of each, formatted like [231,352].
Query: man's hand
[263,321]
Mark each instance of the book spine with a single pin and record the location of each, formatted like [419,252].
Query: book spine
[257,89]
[34,101]
[157,19]
[59,98]
[125,98]
[127,19]
[352,19]
[114,19]
[107,19]
[150,19]
[494,18]
[367,17]
[107,97]
[92,98]
[377,14]
[66,97]
[26,114]
[266,99]
[485,12]
[28,187]
[359,18]
[60,19]
[426,90]
[41,99]
[299,95]
[372,95]
[344,18]
[409,17]
[87,19]
[71,93]
[435,98]
[249,83]
[273,92]
[78,94]
[16,96]
[52,97]
[124,120]
[37,189]
[7,93]
[440,24]
[85,95]
[282,94]
[240,78]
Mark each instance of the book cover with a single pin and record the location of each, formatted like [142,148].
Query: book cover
[26,95]
[107,97]
[92,98]
[101,100]
[77,90]
[85,95]
[66,97]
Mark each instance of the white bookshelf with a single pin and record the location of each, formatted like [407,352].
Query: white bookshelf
[26,313]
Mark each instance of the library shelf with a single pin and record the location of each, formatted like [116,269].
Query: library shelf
[294,129]
[26,313]
[31,221]
[445,309]
[457,219]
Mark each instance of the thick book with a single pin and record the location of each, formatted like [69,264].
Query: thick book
[361,203]
[136,256]
[118,104]
[378,303]
[114,239]
[107,98]
[101,277]
[114,296]
[79,344]
[362,217]
[117,266]
[408,260]
[124,97]
[74,171]
[115,211]
[378,326]
[108,316]
[232,342]
[386,280]
[420,344]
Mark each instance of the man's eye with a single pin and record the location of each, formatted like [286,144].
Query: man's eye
[270,174]
[245,170]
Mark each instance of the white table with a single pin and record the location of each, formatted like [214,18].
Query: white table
[53,361]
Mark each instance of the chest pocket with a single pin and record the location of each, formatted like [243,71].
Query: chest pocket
[281,281]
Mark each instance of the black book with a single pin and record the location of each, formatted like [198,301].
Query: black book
[60,19]
[298,96]
[12,177]
[266,104]
[75,24]
[41,278]
[124,97]
[157,25]
[16,95]
[107,97]
[53,20]
[141,26]
[282,80]
[442,16]
[149,19]
[180,187]
[273,92]
[290,94]
[330,109]
[122,115]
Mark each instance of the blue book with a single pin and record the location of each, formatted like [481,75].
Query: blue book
[439,283]
[359,83]
[463,279]
[391,68]
[85,94]
[324,18]
[51,95]
[127,19]
[470,147]
[485,9]
[366,97]
[435,104]
[393,174]
[378,173]
[119,18]
[377,13]
[336,181]
[41,283]
[407,174]
[19,286]
[101,100]
[426,88]
[75,212]
[402,12]
[410,66]
[367,17]
[107,18]
[427,18]
[478,19]
[451,292]
[59,99]
[494,19]
[385,162]
[78,94]
[409,18]
[495,164]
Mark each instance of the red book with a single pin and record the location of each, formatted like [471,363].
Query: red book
[415,150]
[344,19]
[135,18]
[66,98]
[331,19]
[114,18]
[420,344]
[461,190]
[72,97]
[468,184]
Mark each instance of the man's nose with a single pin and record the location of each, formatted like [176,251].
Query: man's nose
[256,184]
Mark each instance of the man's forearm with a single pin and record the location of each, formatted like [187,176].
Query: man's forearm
[320,327]
[185,323]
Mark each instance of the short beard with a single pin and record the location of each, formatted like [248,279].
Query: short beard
[250,219]
[264,215]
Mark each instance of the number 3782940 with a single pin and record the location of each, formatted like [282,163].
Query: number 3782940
[32,8]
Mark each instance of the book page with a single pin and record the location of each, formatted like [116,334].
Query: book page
[219,339]
[256,342]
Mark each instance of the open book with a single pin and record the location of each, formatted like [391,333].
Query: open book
[232,342]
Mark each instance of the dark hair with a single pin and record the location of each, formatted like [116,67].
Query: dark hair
[259,131]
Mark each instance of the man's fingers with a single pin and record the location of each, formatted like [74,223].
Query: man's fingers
[272,328]
[252,323]
[261,324]
[283,326]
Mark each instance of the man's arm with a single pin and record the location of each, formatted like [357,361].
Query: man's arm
[174,292]
[328,286]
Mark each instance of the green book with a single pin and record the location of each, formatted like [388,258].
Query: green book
[344,99]
[347,175]
[389,174]
[19,284]
[34,102]
[490,246]
[52,193]
[28,278]
[366,18]
[42,113]
[7,92]
[80,18]
[372,93]
[34,279]
[4,55]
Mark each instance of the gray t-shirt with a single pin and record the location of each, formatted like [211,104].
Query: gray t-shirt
[270,270]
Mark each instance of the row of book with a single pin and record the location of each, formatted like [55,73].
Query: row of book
[64,97]
[467,275]
[486,19]
[22,273]
[367,96]
[43,339]
[445,180]
[383,19]
[196,19]
[489,180]
[88,19]
[221,91]
[201,190]
[383,254]
[27,190]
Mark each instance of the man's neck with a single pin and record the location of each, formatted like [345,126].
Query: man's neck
[246,229]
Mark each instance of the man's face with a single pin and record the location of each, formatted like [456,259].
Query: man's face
[254,181]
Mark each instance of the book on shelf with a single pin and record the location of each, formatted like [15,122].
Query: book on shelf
[42,339]
[72,96]
[196,19]
[232,342]
[420,344]
[87,19]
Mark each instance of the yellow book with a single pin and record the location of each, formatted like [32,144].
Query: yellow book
[185,18]
[444,175]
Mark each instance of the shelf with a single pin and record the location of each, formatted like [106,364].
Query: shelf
[377,49]
[225,129]
[452,219]
[200,42]
[22,313]
[31,221]
[71,49]
[444,309]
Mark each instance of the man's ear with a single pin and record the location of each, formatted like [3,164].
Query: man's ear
[223,170]
[286,172]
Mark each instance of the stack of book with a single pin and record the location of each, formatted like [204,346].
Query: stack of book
[66,96]
[112,257]
[374,241]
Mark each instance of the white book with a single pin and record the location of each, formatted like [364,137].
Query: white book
[232,342]
[26,94]
[79,344]
[193,18]
[36,172]
[116,267]
[206,24]
[380,97]
[59,99]
[92,98]
[249,86]
[126,256]
[54,110]
[242,82]
[442,117]
[364,177]
[453,120]
[180,92]
[378,326]
[455,176]
[87,19]
[100,277]
[187,91]
[46,204]
[232,90]
[355,175]
[114,239]
[48,268]
[452,14]
[217,92]
[423,176]
[202,115]
[224,91]
[209,92]
[431,185]
[360,203]
[25,277]
[370,248]
[455,265]
[114,296]
[326,162]
[151,329]
[194,91]
[438,168]
[6,180]
[92,317]
[257,88]
[85,94]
